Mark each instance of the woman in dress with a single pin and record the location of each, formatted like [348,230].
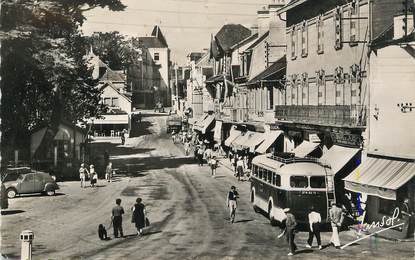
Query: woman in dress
[139,216]
[93,175]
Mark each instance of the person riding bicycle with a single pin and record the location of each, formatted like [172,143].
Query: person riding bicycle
[231,202]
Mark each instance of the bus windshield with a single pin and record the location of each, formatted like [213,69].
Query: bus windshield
[317,182]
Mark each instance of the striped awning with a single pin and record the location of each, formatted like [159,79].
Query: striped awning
[232,136]
[305,148]
[204,124]
[338,156]
[254,141]
[270,139]
[380,177]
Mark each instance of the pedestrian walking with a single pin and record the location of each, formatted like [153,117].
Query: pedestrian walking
[213,165]
[108,172]
[139,216]
[122,138]
[231,202]
[290,225]
[83,172]
[336,218]
[92,174]
[200,153]
[234,160]
[117,213]
[186,148]
[314,220]
[239,168]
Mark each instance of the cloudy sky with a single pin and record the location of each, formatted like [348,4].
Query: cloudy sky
[186,24]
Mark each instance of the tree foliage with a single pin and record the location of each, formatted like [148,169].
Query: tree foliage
[43,69]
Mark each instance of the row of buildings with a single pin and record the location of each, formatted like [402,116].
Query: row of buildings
[326,79]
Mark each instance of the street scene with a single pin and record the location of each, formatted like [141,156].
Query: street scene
[215,129]
[186,207]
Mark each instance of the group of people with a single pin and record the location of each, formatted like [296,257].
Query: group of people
[138,217]
[239,164]
[336,217]
[92,175]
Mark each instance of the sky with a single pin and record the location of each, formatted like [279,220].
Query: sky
[186,24]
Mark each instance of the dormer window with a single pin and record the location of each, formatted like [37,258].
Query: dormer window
[156,56]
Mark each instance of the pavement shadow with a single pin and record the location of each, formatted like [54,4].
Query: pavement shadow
[141,128]
[244,220]
[21,196]
[11,212]
[304,251]
[152,232]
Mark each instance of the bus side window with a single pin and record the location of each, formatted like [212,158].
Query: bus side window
[317,182]
[277,180]
[269,177]
[299,181]
[273,178]
[259,173]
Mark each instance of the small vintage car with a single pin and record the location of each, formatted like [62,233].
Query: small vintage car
[33,182]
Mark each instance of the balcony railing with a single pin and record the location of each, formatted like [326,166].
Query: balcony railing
[343,115]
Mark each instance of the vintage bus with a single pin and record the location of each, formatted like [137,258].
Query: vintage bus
[295,183]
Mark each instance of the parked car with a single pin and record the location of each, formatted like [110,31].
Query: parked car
[34,182]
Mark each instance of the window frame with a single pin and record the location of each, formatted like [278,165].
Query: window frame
[314,177]
[304,39]
[157,56]
[338,28]
[293,36]
[354,23]
[320,34]
[300,176]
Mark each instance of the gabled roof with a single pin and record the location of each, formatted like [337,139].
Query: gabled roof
[231,34]
[109,84]
[272,73]
[245,41]
[258,41]
[159,35]
[156,40]
[112,76]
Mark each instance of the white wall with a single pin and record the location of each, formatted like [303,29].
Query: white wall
[123,102]
[392,82]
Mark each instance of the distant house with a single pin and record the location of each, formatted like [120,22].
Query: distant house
[115,94]
[151,81]
[66,151]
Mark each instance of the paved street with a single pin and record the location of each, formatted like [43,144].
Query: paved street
[185,205]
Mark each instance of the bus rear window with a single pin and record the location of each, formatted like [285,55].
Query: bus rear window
[299,181]
[317,182]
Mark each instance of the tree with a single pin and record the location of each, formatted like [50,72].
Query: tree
[44,73]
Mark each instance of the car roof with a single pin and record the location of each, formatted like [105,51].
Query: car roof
[303,168]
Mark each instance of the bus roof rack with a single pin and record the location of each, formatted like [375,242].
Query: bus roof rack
[288,158]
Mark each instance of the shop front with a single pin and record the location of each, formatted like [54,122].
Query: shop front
[384,189]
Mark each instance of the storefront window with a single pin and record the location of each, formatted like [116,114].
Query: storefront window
[387,206]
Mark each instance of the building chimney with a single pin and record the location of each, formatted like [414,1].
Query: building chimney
[277,29]
[263,21]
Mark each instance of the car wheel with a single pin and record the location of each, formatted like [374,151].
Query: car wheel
[50,192]
[11,193]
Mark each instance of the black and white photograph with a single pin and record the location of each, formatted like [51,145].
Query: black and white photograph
[207,129]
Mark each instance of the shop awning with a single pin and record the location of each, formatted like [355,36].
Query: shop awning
[380,177]
[305,148]
[270,139]
[232,136]
[338,156]
[217,136]
[204,124]
[254,140]
[112,120]
[240,142]
[215,79]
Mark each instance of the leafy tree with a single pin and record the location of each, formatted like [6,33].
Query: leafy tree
[43,70]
